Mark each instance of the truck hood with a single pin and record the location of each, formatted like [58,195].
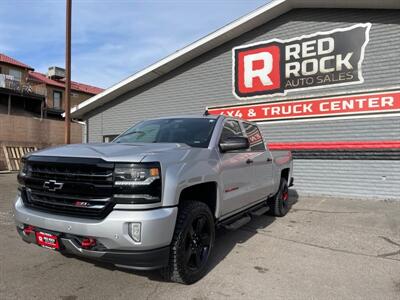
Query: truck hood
[114,152]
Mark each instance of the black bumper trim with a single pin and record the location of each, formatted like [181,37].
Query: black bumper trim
[140,260]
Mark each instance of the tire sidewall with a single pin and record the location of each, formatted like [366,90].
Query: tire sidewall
[281,209]
[188,275]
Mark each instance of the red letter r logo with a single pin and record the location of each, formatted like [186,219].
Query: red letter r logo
[257,70]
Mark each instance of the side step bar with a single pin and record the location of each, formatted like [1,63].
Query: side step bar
[236,221]
[260,211]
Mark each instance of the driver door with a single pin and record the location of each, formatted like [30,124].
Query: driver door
[235,172]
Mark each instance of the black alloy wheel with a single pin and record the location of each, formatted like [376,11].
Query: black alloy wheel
[198,243]
[192,243]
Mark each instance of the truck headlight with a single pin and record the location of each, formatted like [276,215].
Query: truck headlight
[135,175]
[24,171]
[137,183]
[23,167]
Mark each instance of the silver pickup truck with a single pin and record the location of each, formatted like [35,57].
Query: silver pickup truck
[154,197]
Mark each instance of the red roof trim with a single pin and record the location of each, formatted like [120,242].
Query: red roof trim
[9,60]
[75,86]
[44,79]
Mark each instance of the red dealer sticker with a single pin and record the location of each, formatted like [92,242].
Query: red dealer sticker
[314,108]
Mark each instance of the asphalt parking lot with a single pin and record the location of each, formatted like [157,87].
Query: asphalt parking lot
[324,248]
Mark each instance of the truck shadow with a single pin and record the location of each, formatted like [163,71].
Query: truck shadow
[225,242]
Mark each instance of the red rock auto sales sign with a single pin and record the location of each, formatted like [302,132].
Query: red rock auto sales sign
[373,103]
[318,60]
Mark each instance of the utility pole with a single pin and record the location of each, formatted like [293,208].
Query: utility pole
[67,106]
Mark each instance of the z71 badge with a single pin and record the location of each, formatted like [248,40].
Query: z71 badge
[310,61]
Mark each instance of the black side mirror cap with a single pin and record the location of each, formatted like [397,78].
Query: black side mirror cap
[234,143]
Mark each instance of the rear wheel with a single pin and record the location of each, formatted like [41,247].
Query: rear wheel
[279,204]
[192,243]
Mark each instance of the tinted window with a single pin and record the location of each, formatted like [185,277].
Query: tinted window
[57,99]
[231,129]
[255,137]
[195,132]
[109,138]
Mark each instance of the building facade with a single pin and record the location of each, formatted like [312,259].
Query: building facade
[31,107]
[16,95]
[26,92]
[320,79]
[54,86]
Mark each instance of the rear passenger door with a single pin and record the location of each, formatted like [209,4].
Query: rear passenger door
[236,174]
[262,162]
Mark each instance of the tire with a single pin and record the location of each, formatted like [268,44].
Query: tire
[279,204]
[192,243]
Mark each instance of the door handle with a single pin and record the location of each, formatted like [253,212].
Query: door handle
[249,161]
[269,159]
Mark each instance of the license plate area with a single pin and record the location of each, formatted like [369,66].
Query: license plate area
[47,240]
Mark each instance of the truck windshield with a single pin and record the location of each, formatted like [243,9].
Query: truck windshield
[195,132]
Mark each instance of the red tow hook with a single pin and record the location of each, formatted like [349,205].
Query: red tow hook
[28,229]
[88,243]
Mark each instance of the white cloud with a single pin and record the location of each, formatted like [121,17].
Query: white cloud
[111,39]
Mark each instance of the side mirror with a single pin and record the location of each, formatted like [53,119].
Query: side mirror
[234,143]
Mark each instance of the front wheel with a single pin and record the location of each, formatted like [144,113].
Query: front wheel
[279,204]
[192,243]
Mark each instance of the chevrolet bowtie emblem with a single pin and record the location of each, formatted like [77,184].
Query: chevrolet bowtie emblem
[52,185]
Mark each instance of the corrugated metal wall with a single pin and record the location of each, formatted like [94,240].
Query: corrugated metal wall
[207,81]
[378,179]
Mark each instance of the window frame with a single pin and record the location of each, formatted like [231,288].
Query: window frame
[259,131]
[61,95]
[223,126]
[17,71]
[243,135]
[109,137]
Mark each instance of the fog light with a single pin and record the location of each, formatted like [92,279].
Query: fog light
[135,231]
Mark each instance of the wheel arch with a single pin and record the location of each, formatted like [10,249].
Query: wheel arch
[285,174]
[206,192]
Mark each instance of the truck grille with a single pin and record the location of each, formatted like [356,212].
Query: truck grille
[71,173]
[76,187]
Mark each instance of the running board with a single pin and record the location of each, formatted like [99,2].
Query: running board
[258,212]
[238,223]
[242,218]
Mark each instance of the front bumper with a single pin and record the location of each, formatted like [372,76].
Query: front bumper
[140,260]
[157,227]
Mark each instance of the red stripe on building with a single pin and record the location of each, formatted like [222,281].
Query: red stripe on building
[371,103]
[341,145]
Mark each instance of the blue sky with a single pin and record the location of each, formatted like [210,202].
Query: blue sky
[111,40]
